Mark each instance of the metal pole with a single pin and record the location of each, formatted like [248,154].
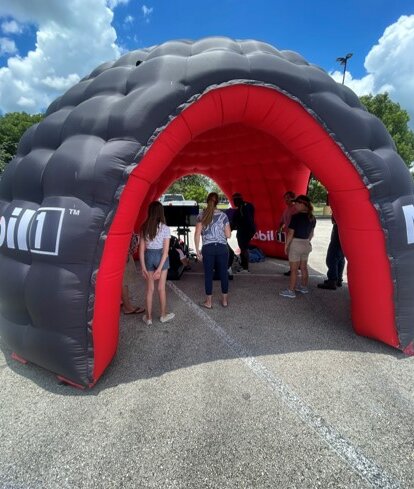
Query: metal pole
[343,61]
[343,77]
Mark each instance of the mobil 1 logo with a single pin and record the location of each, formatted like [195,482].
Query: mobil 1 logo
[35,231]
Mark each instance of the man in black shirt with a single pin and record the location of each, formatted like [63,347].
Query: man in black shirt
[243,221]
[335,261]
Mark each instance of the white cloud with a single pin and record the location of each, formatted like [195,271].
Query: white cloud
[363,86]
[114,3]
[11,27]
[26,104]
[60,83]
[389,66]
[128,19]
[72,39]
[147,11]
[7,46]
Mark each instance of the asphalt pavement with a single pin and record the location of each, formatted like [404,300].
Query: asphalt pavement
[267,393]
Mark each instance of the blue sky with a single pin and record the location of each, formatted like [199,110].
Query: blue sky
[319,30]
[48,45]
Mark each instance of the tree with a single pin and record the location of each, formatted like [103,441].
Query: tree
[195,192]
[193,187]
[222,196]
[12,127]
[316,191]
[178,187]
[395,120]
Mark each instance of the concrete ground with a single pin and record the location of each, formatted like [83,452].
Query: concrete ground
[268,393]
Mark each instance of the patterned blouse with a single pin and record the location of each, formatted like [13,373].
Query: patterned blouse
[214,232]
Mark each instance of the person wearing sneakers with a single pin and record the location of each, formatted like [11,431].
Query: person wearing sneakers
[153,254]
[214,228]
[298,246]
[289,211]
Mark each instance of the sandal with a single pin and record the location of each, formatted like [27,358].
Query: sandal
[203,304]
[137,310]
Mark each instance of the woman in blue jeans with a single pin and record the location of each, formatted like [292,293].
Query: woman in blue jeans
[214,228]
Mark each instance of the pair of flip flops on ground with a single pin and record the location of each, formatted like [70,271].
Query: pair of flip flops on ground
[137,310]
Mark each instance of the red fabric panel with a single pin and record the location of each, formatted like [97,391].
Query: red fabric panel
[233,104]
[105,324]
[202,115]
[370,284]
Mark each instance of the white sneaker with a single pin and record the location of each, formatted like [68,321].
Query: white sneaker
[288,293]
[147,321]
[167,317]
[244,270]
[302,289]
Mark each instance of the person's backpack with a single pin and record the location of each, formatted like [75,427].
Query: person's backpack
[256,255]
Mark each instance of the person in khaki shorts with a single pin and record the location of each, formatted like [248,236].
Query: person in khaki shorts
[298,246]
[289,211]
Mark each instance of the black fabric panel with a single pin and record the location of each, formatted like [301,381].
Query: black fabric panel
[12,290]
[56,352]
[35,162]
[48,134]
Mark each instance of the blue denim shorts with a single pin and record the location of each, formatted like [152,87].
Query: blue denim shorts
[153,258]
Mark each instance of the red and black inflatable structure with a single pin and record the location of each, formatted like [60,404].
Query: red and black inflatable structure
[255,119]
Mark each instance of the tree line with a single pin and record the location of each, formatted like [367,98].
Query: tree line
[196,187]
[12,127]
[395,119]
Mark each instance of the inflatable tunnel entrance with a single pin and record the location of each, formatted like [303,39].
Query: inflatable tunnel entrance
[256,120]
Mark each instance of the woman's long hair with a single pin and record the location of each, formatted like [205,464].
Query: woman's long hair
[154,218]
[208,213]
[304,199]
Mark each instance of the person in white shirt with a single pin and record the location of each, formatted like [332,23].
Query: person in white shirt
[153,254]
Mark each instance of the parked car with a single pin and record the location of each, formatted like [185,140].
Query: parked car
[175,199]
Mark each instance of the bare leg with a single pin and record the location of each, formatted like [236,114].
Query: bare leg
[224,299]
[294,265]
[304,273]
[127,307]
[150,294]
[162,293]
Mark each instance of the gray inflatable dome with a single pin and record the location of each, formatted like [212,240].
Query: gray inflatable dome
[255,119]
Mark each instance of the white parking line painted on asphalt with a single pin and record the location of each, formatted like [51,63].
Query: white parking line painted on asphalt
[357,461]
[250,274]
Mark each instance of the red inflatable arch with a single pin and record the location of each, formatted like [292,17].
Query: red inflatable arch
[260,142]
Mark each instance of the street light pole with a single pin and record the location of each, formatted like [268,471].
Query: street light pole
[343,61]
